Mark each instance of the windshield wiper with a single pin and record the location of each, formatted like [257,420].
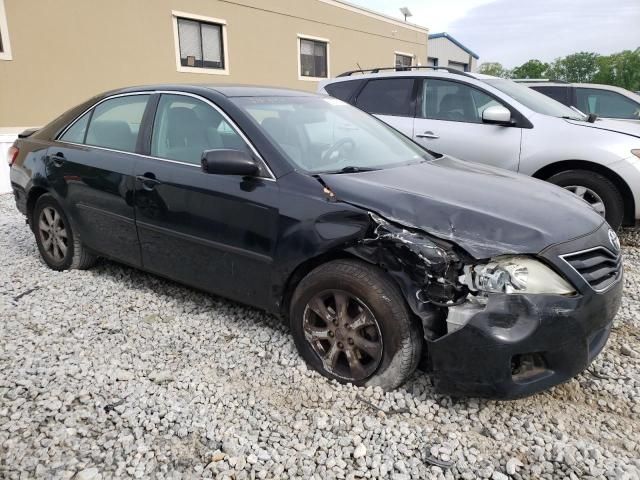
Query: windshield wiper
[354,169]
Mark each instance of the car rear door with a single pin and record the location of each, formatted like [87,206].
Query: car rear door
[391,100]
[90,168]
[449,121]
[215,232]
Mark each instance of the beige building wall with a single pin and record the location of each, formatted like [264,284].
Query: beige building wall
[64,51]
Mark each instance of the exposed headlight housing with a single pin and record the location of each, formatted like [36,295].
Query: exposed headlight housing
[515,274]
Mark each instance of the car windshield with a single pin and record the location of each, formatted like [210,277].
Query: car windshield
[536,101]
[326,135]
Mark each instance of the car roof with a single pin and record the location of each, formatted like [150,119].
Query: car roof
[228,90]
[598,86]
[437,73]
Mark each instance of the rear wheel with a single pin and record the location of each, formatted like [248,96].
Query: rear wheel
[350,323]
[59,246]
[595,189]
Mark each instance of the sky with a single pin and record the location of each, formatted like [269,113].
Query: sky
[514,31]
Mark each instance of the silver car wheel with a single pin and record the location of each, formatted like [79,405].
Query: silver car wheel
[589,196]
[53,234]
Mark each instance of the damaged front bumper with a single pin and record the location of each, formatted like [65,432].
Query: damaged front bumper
[521,344]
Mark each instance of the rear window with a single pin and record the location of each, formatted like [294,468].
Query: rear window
[391,96]
[343,90]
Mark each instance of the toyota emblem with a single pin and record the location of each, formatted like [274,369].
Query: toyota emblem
[615,241]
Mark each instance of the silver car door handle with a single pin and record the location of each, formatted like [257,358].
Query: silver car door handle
[427,135]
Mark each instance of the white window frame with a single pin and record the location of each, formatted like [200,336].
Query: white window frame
[302,36]
[4,31]
[405,54]
[176,38]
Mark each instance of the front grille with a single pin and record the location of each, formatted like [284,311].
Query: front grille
[598,266]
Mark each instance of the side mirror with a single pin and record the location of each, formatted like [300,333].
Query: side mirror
[497,115]
[229,162]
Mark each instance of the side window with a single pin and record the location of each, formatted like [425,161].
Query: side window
[343,90]
[453,101]
[115,123]
[560,94]
[185,127]
[387,97]
[606,104]
[77,131]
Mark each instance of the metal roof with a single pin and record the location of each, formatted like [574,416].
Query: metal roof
[433,36]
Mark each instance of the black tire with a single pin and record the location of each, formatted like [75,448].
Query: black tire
[398,333]
[74,256]
[601,185]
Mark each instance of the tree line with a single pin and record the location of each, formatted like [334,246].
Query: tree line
[621,69]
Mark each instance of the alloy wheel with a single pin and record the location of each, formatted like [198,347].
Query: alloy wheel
[344,333]
[53,233]
[589,196]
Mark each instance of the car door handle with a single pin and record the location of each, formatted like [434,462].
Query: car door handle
[57,159]
[148,183]
[428,134]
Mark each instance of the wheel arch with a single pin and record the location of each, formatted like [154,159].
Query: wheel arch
[627,196]
[34,194]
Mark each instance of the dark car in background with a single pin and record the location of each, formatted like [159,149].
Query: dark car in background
[605,101]
[376,252]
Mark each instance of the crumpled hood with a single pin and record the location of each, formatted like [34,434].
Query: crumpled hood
[619,126]
[485,210]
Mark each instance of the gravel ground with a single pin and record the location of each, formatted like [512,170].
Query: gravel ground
[112,372]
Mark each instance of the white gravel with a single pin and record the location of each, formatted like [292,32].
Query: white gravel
[113,372]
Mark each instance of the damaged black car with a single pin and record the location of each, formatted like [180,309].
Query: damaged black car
[380,255]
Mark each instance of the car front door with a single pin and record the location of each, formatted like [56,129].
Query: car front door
[91,168]
[215,232]
[449,121]
[607,104]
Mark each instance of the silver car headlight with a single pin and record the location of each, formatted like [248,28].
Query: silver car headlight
[516,274]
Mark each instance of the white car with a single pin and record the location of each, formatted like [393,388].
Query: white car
[495,121]
[605,101]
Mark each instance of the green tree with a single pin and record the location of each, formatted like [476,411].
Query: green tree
[580,67]
[531,69]
[621,69]
[493,68]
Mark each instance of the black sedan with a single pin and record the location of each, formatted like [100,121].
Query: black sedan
[377,253]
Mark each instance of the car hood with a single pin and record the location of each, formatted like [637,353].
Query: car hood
[485,210]
[631,127]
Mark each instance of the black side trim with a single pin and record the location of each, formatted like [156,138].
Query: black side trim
[207,243]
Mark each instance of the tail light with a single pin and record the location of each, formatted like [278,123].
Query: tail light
[12,154]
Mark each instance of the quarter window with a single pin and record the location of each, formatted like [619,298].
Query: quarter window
[606,104]
[453,101]
[201,44]
[387,97]
[403,60]
[343,90]
[314,58]
[185,127]
[78,131]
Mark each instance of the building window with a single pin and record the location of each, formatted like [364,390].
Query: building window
[5,47]
[201,44]
[314,58]
[403,60]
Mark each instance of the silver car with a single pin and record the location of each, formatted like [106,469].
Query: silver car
[605,101]
[499,122]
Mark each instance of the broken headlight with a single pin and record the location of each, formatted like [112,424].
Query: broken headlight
[515,274]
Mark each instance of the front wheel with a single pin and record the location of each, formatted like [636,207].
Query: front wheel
[595,189]
[350,323]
